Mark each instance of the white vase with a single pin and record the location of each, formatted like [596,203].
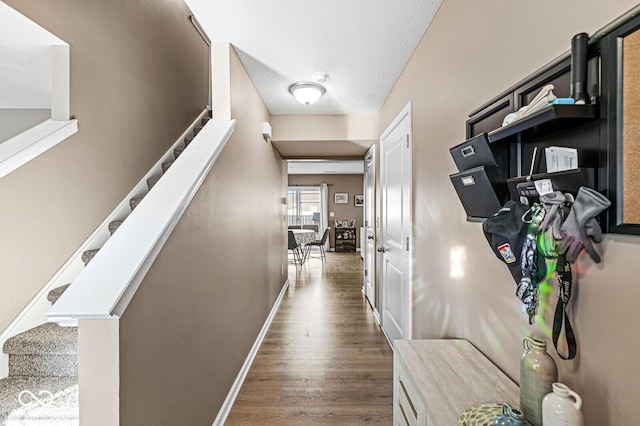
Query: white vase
[561,407]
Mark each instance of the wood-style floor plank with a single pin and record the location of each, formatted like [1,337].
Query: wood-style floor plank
[324,359]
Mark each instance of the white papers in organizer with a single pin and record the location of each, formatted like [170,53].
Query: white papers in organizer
[560,158]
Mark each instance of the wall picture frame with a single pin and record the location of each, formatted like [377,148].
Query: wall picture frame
[358,200]
[341,198]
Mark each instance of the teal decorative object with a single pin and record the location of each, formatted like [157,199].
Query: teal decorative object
[510,417]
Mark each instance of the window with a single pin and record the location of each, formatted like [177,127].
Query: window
[306,205]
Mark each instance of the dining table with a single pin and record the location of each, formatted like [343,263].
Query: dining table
[303,237]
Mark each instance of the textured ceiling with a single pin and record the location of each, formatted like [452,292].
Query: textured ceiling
[362,44]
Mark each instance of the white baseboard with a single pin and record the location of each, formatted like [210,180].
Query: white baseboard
[221,418]
[376,315]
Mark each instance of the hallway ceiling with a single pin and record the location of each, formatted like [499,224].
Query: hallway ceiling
[362,44]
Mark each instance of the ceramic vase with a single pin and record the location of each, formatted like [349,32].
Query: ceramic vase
[538,372]
[510,417]
[561,407]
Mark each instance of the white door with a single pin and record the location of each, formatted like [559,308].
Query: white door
[369,227]
[395,227]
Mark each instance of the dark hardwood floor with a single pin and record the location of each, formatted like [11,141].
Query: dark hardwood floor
[324,360]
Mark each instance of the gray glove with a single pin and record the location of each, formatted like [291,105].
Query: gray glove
[581,227]
[553,202]
[555,206]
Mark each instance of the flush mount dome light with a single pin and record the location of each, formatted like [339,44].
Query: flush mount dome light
[307,93]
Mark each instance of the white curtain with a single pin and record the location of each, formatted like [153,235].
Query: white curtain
[324,210]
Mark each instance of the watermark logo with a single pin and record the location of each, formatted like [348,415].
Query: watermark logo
[28,399]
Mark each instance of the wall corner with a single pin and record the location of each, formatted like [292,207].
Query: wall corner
[221,80]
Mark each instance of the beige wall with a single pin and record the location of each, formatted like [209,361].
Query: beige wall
[138,78]
[191,324]
[355,127]
[324,136]
[351,184]
[471,52]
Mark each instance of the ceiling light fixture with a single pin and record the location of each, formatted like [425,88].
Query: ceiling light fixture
[307,93]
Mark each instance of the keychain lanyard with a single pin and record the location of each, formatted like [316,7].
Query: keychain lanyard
[563,279]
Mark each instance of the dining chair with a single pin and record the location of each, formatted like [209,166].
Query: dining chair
[319,243]
[311,226]
[295,249]
[295,227]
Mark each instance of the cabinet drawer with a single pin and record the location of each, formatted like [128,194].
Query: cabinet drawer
[408,413]
[434,381]
[409,409]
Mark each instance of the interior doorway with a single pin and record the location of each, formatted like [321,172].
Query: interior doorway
[395,226]
[369,242]
[343,203]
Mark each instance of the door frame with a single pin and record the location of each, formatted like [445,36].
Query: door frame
[369,214]
[405,113]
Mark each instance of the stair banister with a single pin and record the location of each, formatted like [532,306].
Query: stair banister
[104,288]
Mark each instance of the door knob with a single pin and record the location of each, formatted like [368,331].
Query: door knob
[370,237]
[382,249]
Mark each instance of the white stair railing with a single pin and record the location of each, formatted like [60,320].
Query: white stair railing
[104,288]
[35,312]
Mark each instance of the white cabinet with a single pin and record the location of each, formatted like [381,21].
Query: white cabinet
[435,381]
[408,406]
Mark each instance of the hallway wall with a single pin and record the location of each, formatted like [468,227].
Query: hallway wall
[190,327]
[139,77]
[324,136]
[471,52]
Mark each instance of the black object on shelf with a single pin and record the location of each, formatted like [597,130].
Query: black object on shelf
[565,181]
[481,182]
[481,190]
[547,120]
[345,239]
[579,49]
[473,152]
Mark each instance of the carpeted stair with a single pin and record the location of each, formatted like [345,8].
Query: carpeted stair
[114,225]
[58,407]
[42,386]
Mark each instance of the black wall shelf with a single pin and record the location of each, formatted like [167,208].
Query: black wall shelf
[595,131]
[513,146]
[565,181]
[547,120]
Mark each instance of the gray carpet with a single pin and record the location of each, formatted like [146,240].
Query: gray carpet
[58,407]
[55,294]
